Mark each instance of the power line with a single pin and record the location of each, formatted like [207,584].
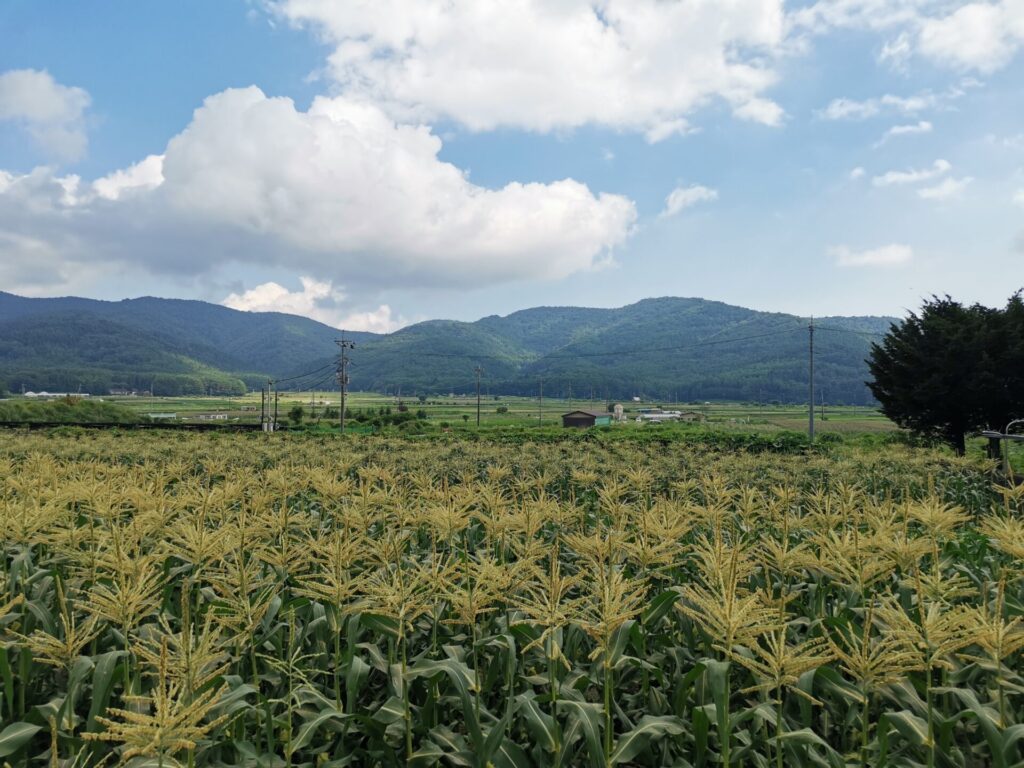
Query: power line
[874,334]
[304,375]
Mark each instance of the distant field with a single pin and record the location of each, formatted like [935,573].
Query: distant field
[459,413]
[520,410]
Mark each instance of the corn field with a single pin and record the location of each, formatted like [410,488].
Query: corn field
[295,601]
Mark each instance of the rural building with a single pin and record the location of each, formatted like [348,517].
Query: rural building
[584,419]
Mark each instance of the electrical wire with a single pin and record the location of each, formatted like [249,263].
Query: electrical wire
[313,385]
[304,375]
[873,334]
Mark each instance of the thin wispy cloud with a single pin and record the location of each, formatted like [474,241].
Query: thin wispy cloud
[892,255]
[947,189]
[913,175]
[922,126]
[681,198]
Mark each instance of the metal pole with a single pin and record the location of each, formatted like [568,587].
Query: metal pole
[810,383]
[1006,446]
[275,406]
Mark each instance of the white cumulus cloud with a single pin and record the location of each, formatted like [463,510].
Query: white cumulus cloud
[380,320]
[640,65]
[681,198]
[977,36]
[319,300]
[51,113]
[981,36]
[341,192]
[144,175]
[885,256]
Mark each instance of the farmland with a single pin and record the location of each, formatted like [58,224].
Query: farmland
[505,410]
[303,600]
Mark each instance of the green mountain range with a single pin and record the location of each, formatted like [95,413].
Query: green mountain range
[679,348]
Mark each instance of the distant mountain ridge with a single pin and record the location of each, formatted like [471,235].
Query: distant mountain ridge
[683,348]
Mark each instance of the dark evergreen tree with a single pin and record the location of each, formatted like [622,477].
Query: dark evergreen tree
[951,369]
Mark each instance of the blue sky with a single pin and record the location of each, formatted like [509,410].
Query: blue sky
[372,164]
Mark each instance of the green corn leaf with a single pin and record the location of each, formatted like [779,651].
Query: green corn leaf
[1011,736]
[589,717]
[701,727]
[510,755]
[429,754]
[462,678]
[913,728]
[107,670]
[15,736]
[540,725]
[452,745]
[390,711]
[649,729]
[309,728]
[660,606]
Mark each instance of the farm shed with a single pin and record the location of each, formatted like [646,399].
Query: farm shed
[584,419]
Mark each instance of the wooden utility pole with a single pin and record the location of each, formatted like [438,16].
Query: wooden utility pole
[478,370]
[540,407]
[810,383]
[343,344]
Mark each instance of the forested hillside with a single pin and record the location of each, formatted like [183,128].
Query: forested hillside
[679,348]
[178,347]
[683,349]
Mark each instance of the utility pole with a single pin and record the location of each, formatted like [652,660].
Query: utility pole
[810,382]
[271,426]
[263,409]
[343,345]
[540,408]
[478,370]
[275,406]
